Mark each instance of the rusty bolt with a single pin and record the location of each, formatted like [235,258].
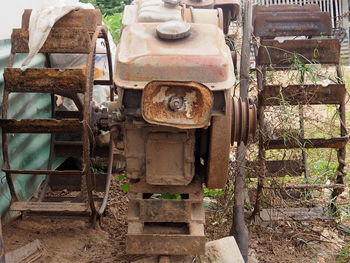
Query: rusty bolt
[176,103]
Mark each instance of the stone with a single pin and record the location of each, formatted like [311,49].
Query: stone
[223,250]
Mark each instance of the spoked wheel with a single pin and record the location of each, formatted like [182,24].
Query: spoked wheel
[71,130]
[97,187]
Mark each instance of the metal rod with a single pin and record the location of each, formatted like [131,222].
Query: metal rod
[239,229]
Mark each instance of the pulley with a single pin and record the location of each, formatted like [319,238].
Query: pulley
[243,121]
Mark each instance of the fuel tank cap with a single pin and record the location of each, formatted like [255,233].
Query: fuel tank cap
[173,30]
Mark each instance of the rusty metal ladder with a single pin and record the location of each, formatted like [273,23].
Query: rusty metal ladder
[75,33]
[271,55]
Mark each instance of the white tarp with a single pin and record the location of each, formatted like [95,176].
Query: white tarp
[43,19]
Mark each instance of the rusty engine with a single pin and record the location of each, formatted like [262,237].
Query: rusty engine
[177,117]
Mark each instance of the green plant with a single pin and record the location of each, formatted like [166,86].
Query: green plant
[108,7]
[324,170]
[344,254]
[302,70]
[125,186]
[114,23]
[213,193]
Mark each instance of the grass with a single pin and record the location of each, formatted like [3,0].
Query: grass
[344,254]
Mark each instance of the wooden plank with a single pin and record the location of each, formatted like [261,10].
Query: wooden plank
[335,143]
[163,210]
[88,19]
[26,254]
[62,40]
[278,168]
[48,80]
[167,244]
[273,52]
[69,126]
[299,214]
[273,95]
[49,207]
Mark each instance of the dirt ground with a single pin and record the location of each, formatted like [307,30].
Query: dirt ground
[67,241]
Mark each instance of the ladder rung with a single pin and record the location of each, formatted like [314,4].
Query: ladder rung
[335,143]
[49,207]
[83,18]
[48,80]
[41,126]
[74,40]
[275,53]
[274,95]
[50,172]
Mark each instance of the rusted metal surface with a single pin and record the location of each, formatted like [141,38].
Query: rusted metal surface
[219,149]
[53,172]
[138,156]
[335,143]
[87,19]
[303,94]
[244,121]
[48,80]
[202,57]
[309,51]
[284,8]
[60,40]
[230,11]
[41,126]
[277,24]
[169,158]
[178,104]
[230,5]
[277,168]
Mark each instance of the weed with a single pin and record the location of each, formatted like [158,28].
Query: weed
[344,254]
[213,193]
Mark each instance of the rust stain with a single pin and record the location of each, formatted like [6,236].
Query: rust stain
[195,103]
